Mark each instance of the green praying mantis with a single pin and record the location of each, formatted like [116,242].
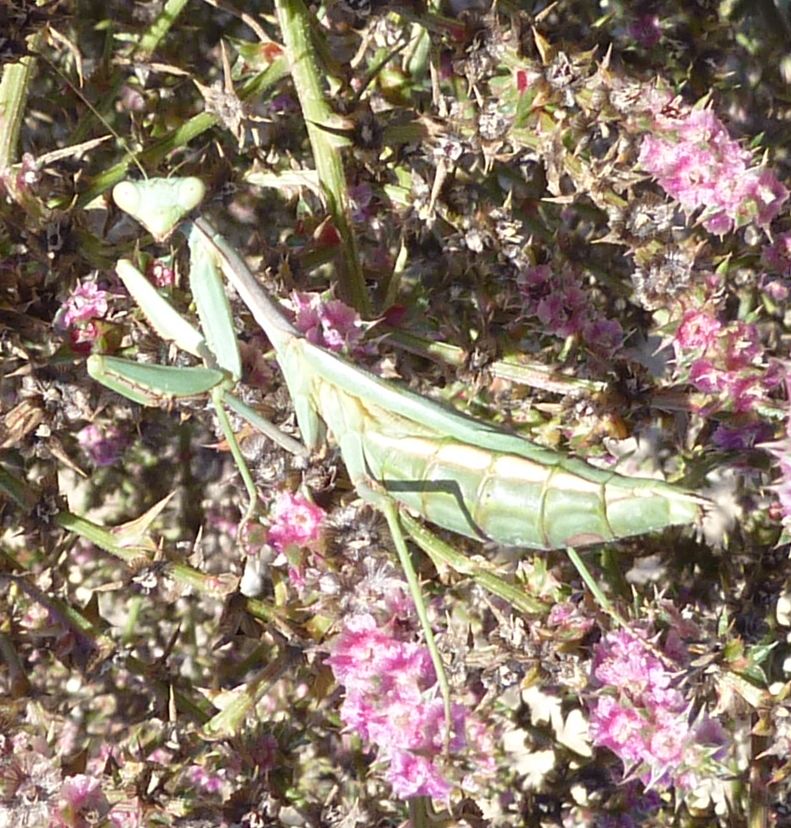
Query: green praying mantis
[404,453]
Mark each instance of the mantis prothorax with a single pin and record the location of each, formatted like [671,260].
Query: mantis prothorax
[401,450]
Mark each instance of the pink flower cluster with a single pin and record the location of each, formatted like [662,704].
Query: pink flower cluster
[641,716]
[393,704]
[724,360]
[327,322]
[696,162]
[81,803]
[564,309]
[78,314]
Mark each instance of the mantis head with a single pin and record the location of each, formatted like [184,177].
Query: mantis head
[160,203]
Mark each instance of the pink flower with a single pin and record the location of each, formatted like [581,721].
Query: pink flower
[698,330]
[641,715]
[103,446]
[209,783]
[160,274]
[564,309]
[295,520]
[741,344]
[707,377]
[86,302]
[81,802]
[328,322]
[696,162]
[413,775]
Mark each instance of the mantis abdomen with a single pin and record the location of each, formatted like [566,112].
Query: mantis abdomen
[551,502]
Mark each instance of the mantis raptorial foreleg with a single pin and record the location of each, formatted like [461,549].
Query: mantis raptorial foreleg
[216,345]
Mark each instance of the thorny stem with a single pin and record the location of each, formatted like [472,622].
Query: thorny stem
[320,119]
[229,720]
[181,573]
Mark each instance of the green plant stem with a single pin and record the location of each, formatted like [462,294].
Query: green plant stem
[13,98]
[320,120]
[151,38]
[181,573]
[532,374]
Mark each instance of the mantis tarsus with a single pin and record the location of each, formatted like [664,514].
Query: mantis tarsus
[401,450]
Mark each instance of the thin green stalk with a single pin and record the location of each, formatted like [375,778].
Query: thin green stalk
[532,374]
[151,38]
[241,464]
[320,120]
[601,599]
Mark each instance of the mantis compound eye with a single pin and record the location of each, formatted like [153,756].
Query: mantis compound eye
[190,193]
[127,197]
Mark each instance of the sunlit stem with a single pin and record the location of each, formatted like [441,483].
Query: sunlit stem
[390,510]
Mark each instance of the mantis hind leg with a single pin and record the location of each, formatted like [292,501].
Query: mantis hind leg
[218,398]
[390,510]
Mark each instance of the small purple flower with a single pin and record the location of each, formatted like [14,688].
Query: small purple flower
[103,446]
[329,323]
[646,30]
[736,438]
[777,256]
[603,335]
[564,312]
[361,196]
